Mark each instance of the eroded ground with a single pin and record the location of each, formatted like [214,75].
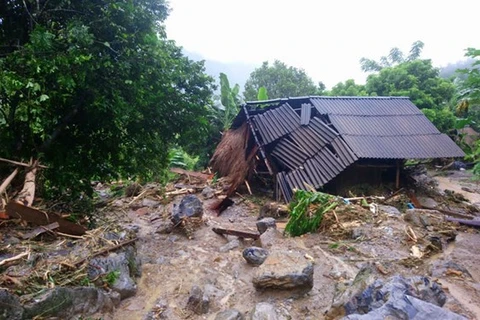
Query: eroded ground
[172,263]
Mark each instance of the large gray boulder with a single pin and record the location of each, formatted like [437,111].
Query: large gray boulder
[284,270]
[120,264]
[369,297]
[66,303]
[10,307]
[189,207]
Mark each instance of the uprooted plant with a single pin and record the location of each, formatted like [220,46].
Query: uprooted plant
[307,210]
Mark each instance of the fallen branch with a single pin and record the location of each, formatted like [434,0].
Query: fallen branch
[22,164]
[7,181]
[470,223]
[42,229]
[138,197]
[240,234]
[105,251]
[180,191]
[18,256]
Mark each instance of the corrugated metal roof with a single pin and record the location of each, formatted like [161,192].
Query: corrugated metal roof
[306,114]
[315,146]
[403,147]
[364,106]
[400,125]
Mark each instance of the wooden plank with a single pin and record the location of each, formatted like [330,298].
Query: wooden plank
[19,211]
[27,195]
[470,223]
[42,229]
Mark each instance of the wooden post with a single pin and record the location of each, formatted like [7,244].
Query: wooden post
[397,180]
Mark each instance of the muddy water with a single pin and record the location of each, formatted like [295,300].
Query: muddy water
[455,183]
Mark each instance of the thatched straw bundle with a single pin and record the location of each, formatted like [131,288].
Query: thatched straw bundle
[232,159]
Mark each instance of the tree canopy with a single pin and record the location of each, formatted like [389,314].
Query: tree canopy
[394,57]
[95,89]
[348,88]
[280,81]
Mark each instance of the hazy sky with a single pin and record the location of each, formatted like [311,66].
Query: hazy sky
[326,38]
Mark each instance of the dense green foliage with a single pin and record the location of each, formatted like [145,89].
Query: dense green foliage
[394,57]
[280,81]
[94,88]
[307,210]
[230,100]
[348,88]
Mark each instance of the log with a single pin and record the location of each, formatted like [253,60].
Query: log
[240,234]
[470,223]
[17,210]
[7,181]
[199,175]
[27,194]
[42,229]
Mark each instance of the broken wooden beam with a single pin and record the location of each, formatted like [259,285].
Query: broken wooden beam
[27,194]
[240,234]
[17,257]
[195,174]
[22,163]
[38,231]
[19,211]
[470,223]
[7,181]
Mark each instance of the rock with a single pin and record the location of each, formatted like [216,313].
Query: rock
[11,309]
[391,211]
[407,307]
[264,311]
[421,217]
[120,263]
[357,233]
[467,189]
[64,303]
[270,238]
[133,190]
[368,293]
[146,202]
[165,227]
[284,270]
[233,244]
[255,255]
[190,206]
[441,268]
[230,314]
[427,202]
[197,301]
[274,210]
[208,193]
[266,223]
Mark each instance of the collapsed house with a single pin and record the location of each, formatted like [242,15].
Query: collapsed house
[327,142]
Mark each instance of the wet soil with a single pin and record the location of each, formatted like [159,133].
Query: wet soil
[173,263]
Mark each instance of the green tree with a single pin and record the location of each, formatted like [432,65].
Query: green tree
[416,79]
[230,100]
[396,56]
[280,81]
[95,89]
[348,88]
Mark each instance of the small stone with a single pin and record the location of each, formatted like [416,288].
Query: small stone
[230,314]
[150,203]
[284,270]
[264,311]
[270,238]
[197,301]
[142,211]
[357,233]
[266,223]
[420,217]
[427,202]
[255,255]
[165,227]
[235,243]
[208,193]
[391,211]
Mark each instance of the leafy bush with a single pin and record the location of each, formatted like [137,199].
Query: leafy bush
[307,210]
